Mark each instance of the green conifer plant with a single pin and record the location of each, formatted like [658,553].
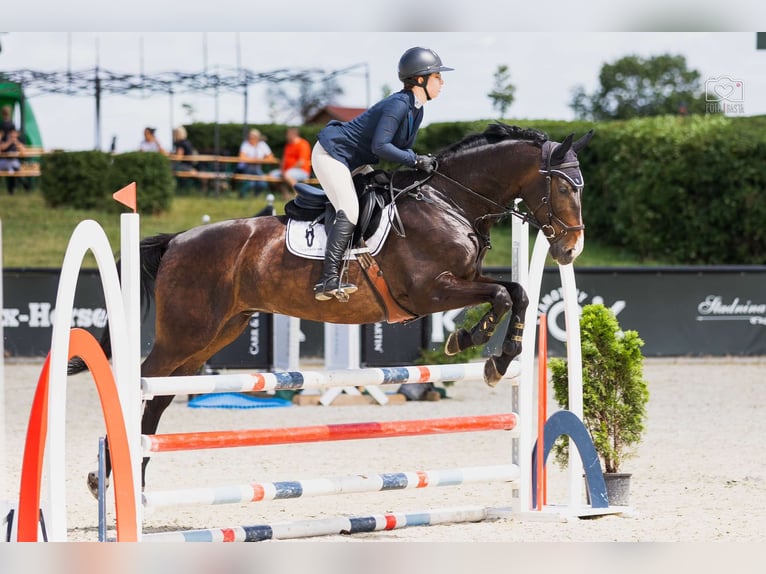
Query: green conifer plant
[615,393]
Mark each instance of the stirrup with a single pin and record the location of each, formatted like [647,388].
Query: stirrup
[333,287]
[319,292]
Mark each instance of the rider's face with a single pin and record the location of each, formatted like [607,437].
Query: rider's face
[435,83]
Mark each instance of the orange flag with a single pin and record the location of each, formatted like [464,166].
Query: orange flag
[127,196]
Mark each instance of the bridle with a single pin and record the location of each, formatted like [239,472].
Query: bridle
[548,170]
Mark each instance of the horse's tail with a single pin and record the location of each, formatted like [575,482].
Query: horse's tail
[151,251]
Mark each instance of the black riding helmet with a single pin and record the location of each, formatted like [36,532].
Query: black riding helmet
[419,61]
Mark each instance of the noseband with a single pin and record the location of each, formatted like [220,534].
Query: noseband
[568,170]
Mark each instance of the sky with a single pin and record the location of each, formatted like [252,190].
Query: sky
[544,67]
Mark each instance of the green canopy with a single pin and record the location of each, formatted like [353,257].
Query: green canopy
[12,94]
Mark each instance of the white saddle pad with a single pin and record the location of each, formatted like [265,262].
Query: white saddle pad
[308,240]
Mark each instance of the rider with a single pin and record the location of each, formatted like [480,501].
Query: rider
[385,131]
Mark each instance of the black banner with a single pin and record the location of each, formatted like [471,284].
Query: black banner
[677,311]
[29,302]
[387,345]
[251,350]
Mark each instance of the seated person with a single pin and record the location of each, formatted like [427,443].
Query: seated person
[253,148]
[182,147]
[296,162]
[6,124]
[11,143]
[150,142]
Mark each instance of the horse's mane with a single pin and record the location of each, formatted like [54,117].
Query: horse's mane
[494,133]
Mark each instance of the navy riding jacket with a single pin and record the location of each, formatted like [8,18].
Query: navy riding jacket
[386,131]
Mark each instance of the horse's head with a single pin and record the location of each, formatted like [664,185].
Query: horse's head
[554,199]
[523,164]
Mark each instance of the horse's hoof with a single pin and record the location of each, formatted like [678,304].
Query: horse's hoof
[93,483]
[452,347]
[491,374]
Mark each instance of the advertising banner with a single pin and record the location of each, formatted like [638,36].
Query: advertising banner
[677,311]
[388,345]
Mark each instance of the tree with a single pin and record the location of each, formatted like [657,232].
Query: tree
[638,87]
[311,96]
[502,93]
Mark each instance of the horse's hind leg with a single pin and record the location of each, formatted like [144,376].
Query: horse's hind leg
[497,365]
[150,420]
[165,360]
[93,474]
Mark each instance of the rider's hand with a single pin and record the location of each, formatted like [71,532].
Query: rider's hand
[425,162]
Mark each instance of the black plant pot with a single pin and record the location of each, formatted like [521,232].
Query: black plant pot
[617,488]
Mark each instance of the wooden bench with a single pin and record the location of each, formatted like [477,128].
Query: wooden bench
[269,178]
[26,170]
[204,175]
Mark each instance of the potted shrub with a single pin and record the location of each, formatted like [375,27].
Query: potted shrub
[614,394]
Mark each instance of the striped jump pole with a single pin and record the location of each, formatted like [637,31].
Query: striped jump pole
[327,526]
[267,491]
[322,433]
[296,380]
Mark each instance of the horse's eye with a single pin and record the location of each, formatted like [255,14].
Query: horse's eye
[563,188]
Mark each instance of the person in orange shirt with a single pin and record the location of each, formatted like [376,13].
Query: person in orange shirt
[296,162]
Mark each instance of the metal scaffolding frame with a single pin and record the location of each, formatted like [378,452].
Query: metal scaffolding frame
[99,82]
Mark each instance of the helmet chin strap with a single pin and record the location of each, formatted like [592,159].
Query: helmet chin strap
[425,87]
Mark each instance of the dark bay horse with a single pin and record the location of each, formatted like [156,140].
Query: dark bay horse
[209,280]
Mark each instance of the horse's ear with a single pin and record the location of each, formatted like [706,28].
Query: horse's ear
[561,150]
[582,142]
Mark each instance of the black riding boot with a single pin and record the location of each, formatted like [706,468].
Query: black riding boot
[337,242]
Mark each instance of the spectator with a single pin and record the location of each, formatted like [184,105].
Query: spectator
[12,143]
[7,122]
[182,147]
[150,142]
[296,162]
[253,148]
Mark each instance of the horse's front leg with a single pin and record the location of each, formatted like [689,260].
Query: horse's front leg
[463,293]
[497,365]
[479,334]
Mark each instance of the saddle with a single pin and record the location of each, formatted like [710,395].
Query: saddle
[373,189]
[374,192]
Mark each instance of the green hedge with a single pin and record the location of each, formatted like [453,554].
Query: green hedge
[75,179]
[154,179]
[684,190]
[87,180]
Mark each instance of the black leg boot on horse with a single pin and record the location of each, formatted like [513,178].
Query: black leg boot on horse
[330,285]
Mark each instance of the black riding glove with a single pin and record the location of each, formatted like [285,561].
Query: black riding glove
[425,162]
